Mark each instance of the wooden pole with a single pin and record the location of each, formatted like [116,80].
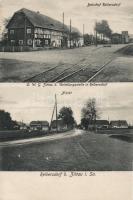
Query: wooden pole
[70,31]
[63,32]
[96,38]
[24,30]
[56,113]
[96,34]
[63,20]
[83,32]
[52,116]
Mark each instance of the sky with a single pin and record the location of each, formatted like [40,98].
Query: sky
[28,103]
[120,17]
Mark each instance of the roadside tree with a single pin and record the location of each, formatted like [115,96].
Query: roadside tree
[6,122]
[89,113]
[103,29]
[66,115]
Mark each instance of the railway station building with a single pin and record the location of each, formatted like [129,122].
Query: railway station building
[30,28]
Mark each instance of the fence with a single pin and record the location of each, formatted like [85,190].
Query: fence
[15,48]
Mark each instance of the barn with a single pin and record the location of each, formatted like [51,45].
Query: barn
[39,126]
[116,38]
[60,124]
[99,124]
[33,29]
[119,124]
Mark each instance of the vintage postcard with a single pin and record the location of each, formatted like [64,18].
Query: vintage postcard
[66,128]
[76,139]
[66,103]
[66,41]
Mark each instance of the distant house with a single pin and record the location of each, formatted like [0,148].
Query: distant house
[33,29]
[58,125]
[39,126]
[77,39]
[99,124]
[119,124]
[116,38]
[102,124]
[125,37]
[131,38]
[22,126]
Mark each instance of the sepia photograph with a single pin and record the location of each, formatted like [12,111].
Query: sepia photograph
[66,100]
[66,128]
[66,41]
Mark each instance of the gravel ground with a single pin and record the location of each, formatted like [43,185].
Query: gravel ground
[120,70]
[17,67]
[85,152]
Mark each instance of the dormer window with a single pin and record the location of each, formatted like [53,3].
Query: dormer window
[12,32]
[28,30]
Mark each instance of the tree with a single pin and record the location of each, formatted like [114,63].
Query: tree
[89,113]
[84,123]
[6,122]
[5,32]
[88,39]
[66,115]
[103,29]
[75,36]
[106,29]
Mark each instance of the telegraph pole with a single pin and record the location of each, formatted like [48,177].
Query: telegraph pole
[83,32]
[56,113]
[63,31]
[70,31]
[63,20]
[52,116]
[96,34]
[24,30]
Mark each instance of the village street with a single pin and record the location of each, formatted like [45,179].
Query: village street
[81,151]
[20,66]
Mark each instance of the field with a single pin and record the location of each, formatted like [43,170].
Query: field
[18,134]
[87,151]
[20,66]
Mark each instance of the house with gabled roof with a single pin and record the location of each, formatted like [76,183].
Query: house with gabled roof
[119,124]
[39,126]
[33,29]
[99,124]
[58,125]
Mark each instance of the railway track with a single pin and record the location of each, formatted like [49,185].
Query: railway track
[32,78]
[99,71]
[57,73]
[66,72]
[76,75]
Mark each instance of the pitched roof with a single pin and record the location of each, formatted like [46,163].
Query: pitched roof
[100,122]
[119,123]
[39,123]
[60,123]
[39,20]
[116,34]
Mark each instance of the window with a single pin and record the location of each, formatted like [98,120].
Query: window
[38,42]
[11,32]
[28,30]
[21,42]
[35,35]
[12,42]
[29,42]
[46,42]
